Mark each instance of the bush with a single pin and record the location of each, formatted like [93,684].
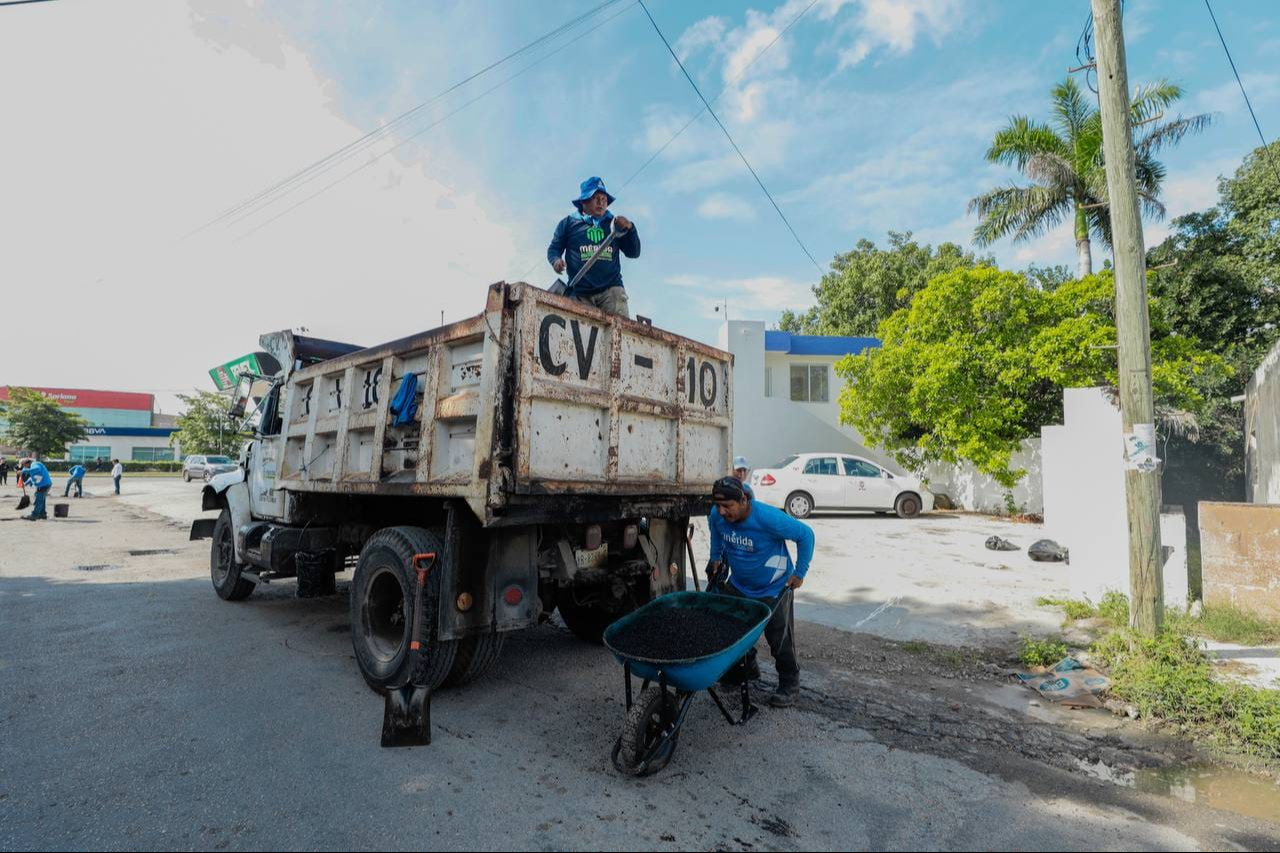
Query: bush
[61,466]
[1041,652]
[1114,607]
[1169,678]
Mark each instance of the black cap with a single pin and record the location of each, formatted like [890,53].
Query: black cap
[728,489]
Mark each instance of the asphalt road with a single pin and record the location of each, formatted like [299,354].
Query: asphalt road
[142,712]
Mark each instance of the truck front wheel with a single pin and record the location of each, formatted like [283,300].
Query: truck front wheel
[382,595]
[223,568]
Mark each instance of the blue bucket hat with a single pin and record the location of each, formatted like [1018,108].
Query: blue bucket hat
[590,187]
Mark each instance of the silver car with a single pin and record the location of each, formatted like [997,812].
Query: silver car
[206,467]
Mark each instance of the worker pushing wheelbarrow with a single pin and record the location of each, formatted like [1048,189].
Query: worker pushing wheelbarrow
[683,643]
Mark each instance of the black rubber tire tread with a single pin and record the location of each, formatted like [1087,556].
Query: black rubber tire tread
[635,729]
[900,505]
[232,587]
[394,547]
[476,655]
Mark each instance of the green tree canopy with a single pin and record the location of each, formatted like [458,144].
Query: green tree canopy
[978,362]
[867,285]
[38,424]
[1063,160]
[204,427]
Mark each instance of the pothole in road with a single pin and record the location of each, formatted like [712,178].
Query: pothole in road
[146,552]
[95,567]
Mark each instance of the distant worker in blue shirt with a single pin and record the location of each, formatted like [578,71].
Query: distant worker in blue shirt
[578,237]
[34,474]
[751,538]
[76,479]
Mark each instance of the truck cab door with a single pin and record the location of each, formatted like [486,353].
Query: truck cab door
[265,500]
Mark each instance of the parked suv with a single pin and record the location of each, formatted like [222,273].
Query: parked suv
[206,467]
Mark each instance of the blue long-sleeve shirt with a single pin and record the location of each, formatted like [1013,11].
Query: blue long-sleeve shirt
[756,549]
[37,475]
[577,237]
[76,472]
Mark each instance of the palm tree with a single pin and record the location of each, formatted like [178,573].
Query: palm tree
[1063,160]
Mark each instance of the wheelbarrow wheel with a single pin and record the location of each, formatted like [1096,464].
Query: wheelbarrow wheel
[650,718]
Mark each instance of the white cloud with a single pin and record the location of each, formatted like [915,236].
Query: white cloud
[896,25]
[137,122]
[759,297]
[726,206]
[1262,88]
[704,33]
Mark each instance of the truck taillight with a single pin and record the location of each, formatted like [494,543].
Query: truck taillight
[513,595]
[593,538]
[630,535]
[767,480]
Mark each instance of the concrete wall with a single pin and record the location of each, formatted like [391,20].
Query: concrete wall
[971,490]
[1240,556]
[1262,431]
[1084,500]
[767,429]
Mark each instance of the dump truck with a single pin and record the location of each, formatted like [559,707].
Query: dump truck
[549,455]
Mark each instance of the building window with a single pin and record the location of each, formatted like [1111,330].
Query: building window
[153,454]
[83,453]
[809,383]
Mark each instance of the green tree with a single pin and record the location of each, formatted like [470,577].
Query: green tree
[1063,161]
[38,424]
[1216,279]
[978,362]
[867,285]
[204,427]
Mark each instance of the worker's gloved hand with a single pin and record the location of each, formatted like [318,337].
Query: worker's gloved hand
[558,266]
[795,582]
[714,571]
[623,223]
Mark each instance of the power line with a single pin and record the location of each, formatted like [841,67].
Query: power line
[1265,147]
[729,136]
[727,84]
[21,2]
[288,184]
[434,124]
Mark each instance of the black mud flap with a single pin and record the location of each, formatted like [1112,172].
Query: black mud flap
[202,528]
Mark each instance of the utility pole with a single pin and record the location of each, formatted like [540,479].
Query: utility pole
[1137,411]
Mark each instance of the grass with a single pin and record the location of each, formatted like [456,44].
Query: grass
[1227,624]
[1169,678]
[1046,653]
[1073,608]
[915,647]
[1114,608]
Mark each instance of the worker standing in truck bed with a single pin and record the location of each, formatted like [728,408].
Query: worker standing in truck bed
[580,235]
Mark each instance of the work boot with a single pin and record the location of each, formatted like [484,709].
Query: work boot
[784,696]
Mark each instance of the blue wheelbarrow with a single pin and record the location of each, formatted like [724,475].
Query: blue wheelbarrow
[651,727]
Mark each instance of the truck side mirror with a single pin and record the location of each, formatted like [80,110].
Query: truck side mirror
[241,400]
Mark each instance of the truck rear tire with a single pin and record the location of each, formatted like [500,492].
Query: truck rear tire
[476,655]
[224,571]
[382,595]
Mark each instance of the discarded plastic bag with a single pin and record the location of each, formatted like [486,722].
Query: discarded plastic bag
[995,543]
[1068,683]
[1048,551]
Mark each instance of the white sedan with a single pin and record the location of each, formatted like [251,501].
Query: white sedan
[806,482]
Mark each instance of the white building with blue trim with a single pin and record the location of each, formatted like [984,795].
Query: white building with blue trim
[786,394]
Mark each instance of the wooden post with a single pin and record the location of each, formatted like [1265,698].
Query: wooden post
[1142,487]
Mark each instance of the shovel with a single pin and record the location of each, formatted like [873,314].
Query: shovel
[25,500]
[406,719]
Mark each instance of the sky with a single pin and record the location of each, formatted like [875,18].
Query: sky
[131,125]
